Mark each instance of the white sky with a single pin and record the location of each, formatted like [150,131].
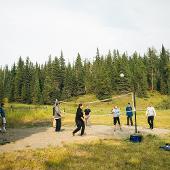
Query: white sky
[38,28]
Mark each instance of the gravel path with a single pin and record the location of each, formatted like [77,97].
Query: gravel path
[41,137]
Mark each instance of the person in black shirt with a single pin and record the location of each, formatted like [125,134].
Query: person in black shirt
[79,120]
[87,115]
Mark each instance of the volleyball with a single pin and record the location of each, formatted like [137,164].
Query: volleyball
[122,75]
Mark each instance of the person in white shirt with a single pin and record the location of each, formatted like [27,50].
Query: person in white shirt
[150,113]
[116,114]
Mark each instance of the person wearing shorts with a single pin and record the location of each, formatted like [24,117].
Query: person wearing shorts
[116,119]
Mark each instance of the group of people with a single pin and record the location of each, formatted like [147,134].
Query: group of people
[80,120]
[150,113]
[82,117]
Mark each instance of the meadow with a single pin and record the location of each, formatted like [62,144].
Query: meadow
[98,154]
[31,115]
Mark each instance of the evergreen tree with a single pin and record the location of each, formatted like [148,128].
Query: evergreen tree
[88,78]
[139,77]
[101,79]
[123,83]
[69,81]
[79,74]
[61,75]
[56,79]
[37,94]
[19,80]
[12,83]
[27,79]
[151,62]
[48,89]
[163,68]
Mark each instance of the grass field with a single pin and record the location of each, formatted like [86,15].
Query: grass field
[99,154]
[31,115]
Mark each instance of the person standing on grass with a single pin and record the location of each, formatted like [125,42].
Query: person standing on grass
[87,115]
[57,116]
[129,114]
[116,119]
[79,119]
[2,114]
[150,113]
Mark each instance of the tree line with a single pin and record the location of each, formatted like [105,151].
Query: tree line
[26,82]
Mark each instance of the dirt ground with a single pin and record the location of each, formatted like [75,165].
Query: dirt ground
[41,137]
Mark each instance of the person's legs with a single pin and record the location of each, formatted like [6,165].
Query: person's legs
[114,122]
[59,124]
[149,121]
[131,121]
[152,118]
[83,127]
[78,127]
[118,120]
[127,120]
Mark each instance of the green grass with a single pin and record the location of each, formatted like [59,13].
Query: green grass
[100,112]
[99,154]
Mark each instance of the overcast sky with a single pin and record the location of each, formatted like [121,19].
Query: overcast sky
[38,28]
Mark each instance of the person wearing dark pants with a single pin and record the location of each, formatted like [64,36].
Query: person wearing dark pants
[129,114]
[57,116]
[79,120]
[150,113]
[58,125]
[150,121]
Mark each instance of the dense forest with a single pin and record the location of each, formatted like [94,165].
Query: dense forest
[26,82]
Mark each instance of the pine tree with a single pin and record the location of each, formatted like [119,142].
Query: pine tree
[27,79]
[61,75]
[56,94]
[151,62]
[19,80]
[139,77]
[48,89]
[12,83]
[163,68]
[122,66]
[37,94]
[79,74]
[69,87]
[102,83]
